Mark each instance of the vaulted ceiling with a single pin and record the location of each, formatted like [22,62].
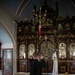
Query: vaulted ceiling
[23,8]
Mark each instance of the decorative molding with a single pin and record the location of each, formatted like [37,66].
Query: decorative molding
[72,3]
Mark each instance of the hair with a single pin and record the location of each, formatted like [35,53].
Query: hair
[35,54]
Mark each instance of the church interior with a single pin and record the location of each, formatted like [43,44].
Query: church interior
[45,26]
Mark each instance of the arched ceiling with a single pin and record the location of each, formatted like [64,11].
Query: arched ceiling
[16,5]
[5,38]
[23,8]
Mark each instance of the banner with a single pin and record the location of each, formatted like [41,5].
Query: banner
[40,30]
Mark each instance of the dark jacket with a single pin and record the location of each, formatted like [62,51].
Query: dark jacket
[36,66]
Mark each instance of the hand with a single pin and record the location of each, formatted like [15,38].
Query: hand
[41,57]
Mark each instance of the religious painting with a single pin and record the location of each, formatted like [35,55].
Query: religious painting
[22,53]
[60,26]
[46,48]
[72,50]
[62,50]
[31,49]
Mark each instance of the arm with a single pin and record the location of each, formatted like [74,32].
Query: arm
[42,62]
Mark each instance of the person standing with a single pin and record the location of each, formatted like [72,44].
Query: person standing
[36,63]
[55,63]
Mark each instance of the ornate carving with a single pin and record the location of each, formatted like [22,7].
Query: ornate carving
[62,68]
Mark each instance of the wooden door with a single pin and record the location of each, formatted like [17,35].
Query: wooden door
[46,49]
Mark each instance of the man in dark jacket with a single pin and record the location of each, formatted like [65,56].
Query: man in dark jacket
[36,63]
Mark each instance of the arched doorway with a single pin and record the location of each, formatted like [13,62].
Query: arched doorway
[6,57]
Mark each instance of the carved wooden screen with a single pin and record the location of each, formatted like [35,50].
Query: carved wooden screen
[26,44]
[46,49]
[66,55]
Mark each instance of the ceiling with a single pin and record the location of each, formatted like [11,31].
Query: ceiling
[23,8]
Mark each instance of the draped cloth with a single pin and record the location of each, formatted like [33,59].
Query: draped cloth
[55,64]
[40,30]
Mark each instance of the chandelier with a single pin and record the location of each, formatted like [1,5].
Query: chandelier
[39,17]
